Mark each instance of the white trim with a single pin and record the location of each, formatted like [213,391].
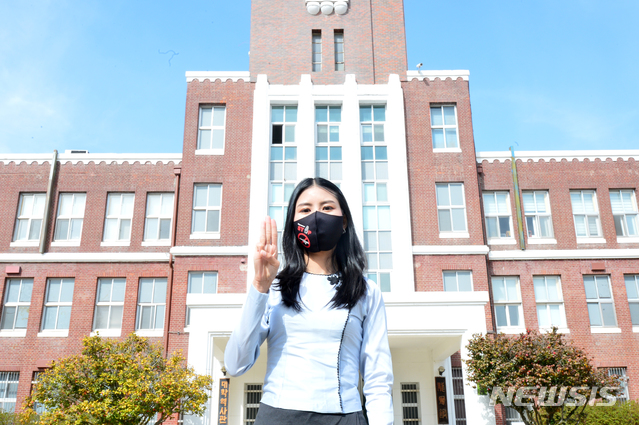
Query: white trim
[604,330]
[182,251]
[453,235]
[450,250]
[442,75]
[157,242]
[116,243]
[559,330]
[24,243]
[86,257]
[439,298]
[96,158]
[564,254]
[74,242]
[447,150]
[150,333]
[591,240]
[627,239]
[547,156]
[502,241]
[542,241]
[635,328]
[203,235]
[62,333]
[205,152]
[13,333]
[116,333]
[223,76]
[512,330]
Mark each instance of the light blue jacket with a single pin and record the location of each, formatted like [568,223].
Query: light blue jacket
[315,357]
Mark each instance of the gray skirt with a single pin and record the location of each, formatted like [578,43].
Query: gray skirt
[268,415]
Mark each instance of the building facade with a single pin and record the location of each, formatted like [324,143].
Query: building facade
[460,243]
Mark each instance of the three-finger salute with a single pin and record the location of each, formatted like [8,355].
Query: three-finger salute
[265,259]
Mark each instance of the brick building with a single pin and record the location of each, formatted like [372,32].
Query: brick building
[160,244]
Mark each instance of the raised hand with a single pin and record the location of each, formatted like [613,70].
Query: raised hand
[265,258]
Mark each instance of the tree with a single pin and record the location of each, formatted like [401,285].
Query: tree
[125,382]
[549,379]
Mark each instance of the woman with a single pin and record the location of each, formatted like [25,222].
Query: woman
[325,323]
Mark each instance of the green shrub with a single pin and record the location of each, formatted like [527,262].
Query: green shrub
[9,418]
[619,414]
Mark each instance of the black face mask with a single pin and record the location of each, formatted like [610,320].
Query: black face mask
[318,231]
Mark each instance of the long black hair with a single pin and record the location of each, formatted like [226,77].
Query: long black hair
[348,256]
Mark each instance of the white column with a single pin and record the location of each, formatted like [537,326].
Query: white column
[305,129]
[478,410]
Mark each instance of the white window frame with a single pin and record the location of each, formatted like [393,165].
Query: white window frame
[152,233]
[213,275]
[316,49]
[508,303]
[374,124]
[444,127]
[415,407]
[251,407]
[120,217]
[35,204]
[455,274]
[497,216]
[599,301]
[75,218]
[57,304]
[328,153]
[156,306]
[207,209]
[589,237]
[632,291]
[110,304]
[203,127]
[629,214]
[288,125]
[338,42]
[543,299]
[535,216]
[452,233]
[9,397]
[20,305]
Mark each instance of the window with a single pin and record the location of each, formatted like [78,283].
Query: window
[328,159]
[9,390]
[457,281]
[624,211]
[507,299]
[622,374]
[253,394]
[159,211]
[117,226]
[585,213]
[451,207]
[632,289]
[207,202]
[211,130]
[458,395]
[17,299]
[109,304]
[410,403]
[550,304]
[537,212]
[68,224]
[339,50]
[151,304]
[57,305]
[30,216]
[39,408]
[202,282]
[498,216]
[316,51]
[376,205]
[283,120]
[512,416]
[599,298]
[443,123]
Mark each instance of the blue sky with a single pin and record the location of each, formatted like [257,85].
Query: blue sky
[108,76]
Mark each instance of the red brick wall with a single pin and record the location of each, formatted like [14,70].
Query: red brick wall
[232,170]
[426,168]
[374,41]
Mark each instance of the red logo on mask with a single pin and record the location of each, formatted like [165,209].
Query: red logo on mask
[304,239]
